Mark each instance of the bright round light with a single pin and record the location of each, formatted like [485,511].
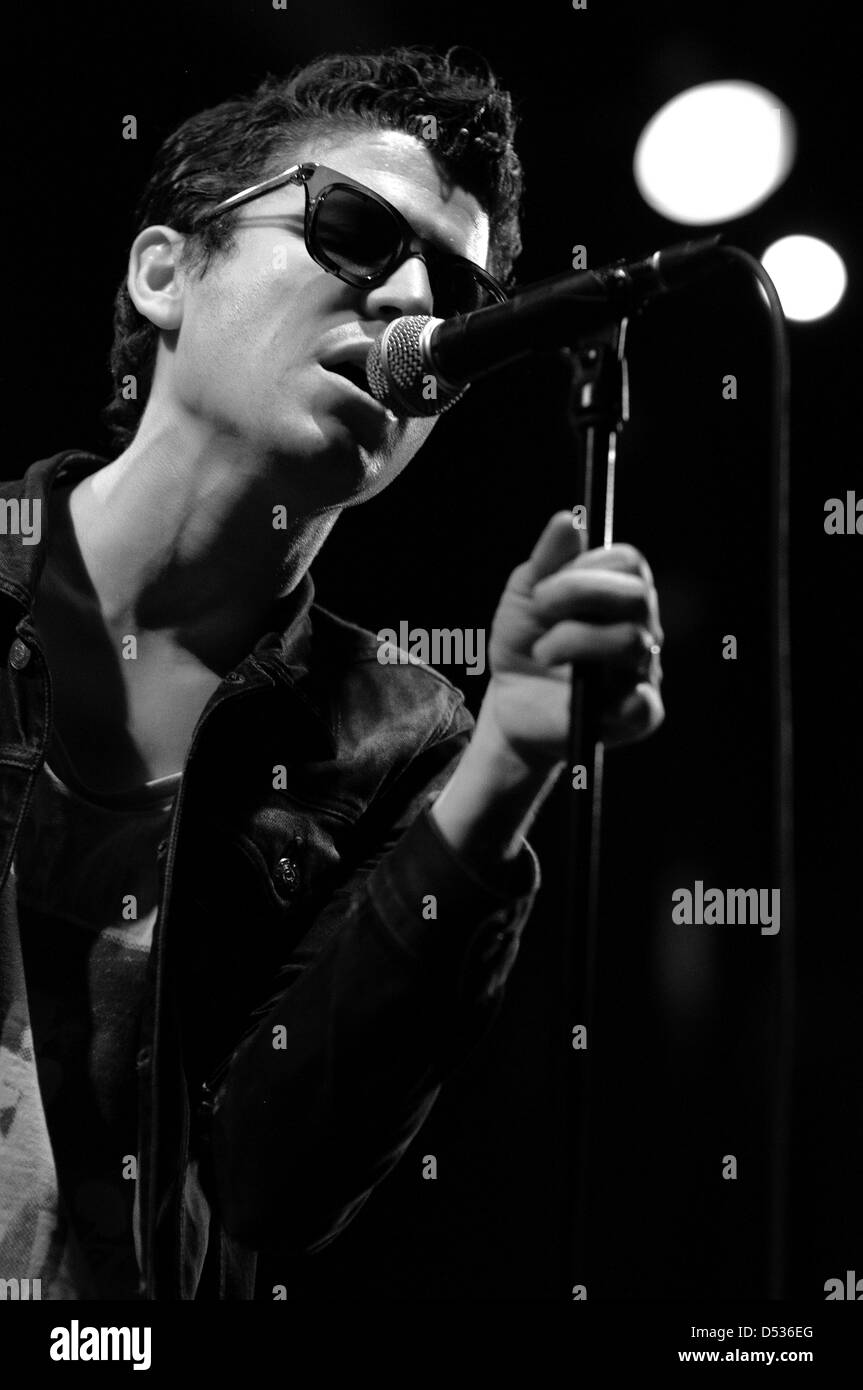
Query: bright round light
[714,152]
[809,276]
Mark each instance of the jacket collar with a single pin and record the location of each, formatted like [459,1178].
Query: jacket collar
[21,565]
[282,654]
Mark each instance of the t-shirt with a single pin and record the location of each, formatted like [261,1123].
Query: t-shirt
[77,914]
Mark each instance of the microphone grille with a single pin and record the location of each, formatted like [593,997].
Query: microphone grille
[398,374]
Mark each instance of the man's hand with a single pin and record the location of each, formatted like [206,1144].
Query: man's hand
[565,606]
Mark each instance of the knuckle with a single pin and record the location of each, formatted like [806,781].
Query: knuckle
[635,561]
[632,558]
[520,577]
[647,713]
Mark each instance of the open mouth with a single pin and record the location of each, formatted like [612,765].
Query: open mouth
[353,372]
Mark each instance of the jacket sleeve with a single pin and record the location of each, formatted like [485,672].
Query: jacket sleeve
[397,979]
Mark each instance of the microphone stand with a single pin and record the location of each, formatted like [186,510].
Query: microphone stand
[598,408]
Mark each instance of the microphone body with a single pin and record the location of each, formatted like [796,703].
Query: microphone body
[422,365]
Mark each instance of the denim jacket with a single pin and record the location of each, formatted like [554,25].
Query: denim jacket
[322,958]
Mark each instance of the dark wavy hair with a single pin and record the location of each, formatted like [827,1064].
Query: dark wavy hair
[246,139]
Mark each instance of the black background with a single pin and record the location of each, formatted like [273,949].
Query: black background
[684,1018]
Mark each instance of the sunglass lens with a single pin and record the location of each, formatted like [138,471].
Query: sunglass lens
[354,232]
[457,290]
[357,236]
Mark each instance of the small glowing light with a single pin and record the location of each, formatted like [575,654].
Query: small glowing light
[713,152]
[809,276]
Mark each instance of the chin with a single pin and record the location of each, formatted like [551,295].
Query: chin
[341,462]
[338,472]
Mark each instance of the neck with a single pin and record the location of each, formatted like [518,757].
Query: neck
[182,545]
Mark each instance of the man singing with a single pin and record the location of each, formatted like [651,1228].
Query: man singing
[260,892]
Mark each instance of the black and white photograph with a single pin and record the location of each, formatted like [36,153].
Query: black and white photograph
[431,544]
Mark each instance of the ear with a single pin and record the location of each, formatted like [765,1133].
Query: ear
[155,280]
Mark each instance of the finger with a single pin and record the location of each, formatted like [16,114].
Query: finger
[619,594]
[635,717]
[618,556]
[595,595]
[560,543]
[617,685]
[626,646]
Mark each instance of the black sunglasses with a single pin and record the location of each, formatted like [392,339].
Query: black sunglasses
[355,234]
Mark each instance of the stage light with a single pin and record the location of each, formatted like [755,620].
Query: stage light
[714,152]
[809,276]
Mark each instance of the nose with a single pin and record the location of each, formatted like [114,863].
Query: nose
[406,291]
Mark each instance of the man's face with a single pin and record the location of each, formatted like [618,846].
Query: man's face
[258,325]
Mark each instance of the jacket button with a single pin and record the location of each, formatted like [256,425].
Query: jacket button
[235,678]
[19,654]
[287,875]
[161,849]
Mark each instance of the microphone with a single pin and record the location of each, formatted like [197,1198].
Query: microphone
[422,365]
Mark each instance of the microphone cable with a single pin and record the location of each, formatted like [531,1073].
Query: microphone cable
[781,1064]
